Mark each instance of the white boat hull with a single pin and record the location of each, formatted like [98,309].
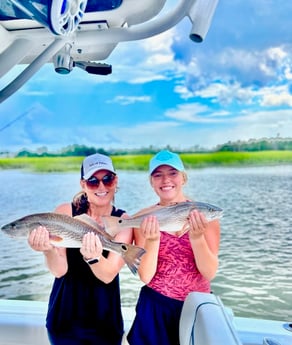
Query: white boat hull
[23,323]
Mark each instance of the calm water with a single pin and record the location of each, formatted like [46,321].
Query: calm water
[254,278]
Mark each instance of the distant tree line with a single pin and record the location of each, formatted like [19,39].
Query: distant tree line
[265,144]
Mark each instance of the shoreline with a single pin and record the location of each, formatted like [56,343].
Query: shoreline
[140,162]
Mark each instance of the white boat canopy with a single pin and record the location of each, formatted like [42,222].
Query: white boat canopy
[80,33]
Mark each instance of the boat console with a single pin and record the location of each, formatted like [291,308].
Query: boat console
[205,320]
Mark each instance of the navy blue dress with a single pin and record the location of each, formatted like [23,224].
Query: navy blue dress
[82,309]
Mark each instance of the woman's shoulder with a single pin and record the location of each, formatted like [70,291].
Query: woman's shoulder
[65,208]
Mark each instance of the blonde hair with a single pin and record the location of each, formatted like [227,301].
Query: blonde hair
[185,176]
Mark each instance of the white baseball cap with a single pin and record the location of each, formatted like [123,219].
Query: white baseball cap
[94,163]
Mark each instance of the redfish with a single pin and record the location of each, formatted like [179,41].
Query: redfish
[66,231]
[171,218]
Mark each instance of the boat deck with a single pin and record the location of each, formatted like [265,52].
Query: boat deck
[23,323]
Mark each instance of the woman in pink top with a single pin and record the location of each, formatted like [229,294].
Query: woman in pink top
[175,263]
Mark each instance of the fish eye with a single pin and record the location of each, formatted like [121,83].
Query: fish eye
[125,248]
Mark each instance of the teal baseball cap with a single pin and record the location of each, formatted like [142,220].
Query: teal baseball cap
[166,157]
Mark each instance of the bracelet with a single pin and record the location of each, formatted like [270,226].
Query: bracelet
[92,261]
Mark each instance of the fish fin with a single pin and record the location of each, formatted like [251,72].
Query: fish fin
[184,229]
[147,211]
[132,257]
[55,238]
[59,241]
[85,218]
[111,224]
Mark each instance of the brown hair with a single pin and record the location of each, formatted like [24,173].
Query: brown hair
[80,202]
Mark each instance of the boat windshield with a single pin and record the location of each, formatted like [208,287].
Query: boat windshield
[102,5]
[9,11]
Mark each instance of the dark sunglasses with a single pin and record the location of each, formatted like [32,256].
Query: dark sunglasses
[107,180]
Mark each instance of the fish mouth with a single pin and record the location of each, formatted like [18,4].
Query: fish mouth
[218,214]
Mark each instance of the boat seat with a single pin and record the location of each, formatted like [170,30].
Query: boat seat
[205,321]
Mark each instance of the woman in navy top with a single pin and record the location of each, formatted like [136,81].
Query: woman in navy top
[84,305]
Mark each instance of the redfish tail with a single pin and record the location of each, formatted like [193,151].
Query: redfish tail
[111,225]
[133,256]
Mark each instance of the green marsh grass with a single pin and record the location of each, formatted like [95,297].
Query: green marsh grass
[140,162]
[42,164]
[237,158]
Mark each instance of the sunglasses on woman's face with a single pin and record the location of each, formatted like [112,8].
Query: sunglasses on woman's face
[107,180]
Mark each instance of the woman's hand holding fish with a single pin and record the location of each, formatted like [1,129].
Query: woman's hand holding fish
[91,246]
[150,228]
[198,224]
[39,239]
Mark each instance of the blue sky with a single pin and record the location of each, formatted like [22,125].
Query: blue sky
[168,90]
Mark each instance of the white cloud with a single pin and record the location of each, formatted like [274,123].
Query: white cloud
[125,100]
[261,124]
[183,91]
[192,112]
[152,58]
[158,50]
[276,96]
[226,93]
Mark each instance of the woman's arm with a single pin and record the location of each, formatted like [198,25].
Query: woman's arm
[205,241]
[148,237]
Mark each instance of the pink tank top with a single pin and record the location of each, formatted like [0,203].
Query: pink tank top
[177,274]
